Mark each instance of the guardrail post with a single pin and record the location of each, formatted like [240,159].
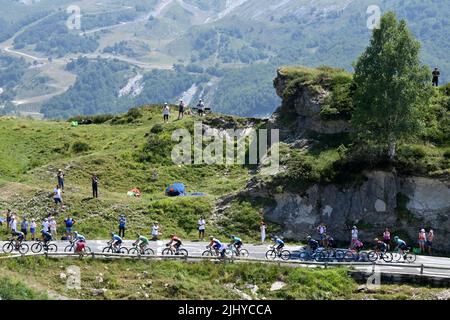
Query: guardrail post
[421,269]
[373,267]
[46,254]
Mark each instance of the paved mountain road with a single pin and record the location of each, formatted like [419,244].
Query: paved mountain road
[259,251]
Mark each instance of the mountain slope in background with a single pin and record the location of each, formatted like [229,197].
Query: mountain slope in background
[225,51]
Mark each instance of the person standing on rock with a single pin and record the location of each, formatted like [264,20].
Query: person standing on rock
[181,110]
[95,181]
[166,112]
[430,239]
[422,240]
[60,176]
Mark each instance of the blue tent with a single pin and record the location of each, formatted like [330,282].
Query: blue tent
[175,190]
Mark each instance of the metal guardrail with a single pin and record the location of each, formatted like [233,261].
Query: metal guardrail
[374,265]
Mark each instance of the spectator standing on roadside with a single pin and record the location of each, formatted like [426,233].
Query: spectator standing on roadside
[387,238]
[33,227]
[13,224]
[24,227]
[430,239]
[122,226]
[60,176]
[201,228]
[322,230]
[155,231]
[8,219]
[95,181]
[53,227]
[201,108]
[69,224]
[354,236]
[422,240]
[263,228]
[46,225]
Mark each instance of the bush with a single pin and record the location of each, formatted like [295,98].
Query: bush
[79,147]
[134,113]
[157,128]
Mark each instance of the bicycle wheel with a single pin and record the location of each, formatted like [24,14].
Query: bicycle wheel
[149,252]
[207,253]
[36,247]
[349,256]
[168,252]
[8,247]
[87,249]
[244,253]
[304,256]
[68,248]
[410,257]
[285,255]
[123,250]
[321,256]
[23,249]
[271,255]
[339,255]
[183,252]
[387,257]
[52,248]
[133,251]
[362,257]
[372,256]
[107,250]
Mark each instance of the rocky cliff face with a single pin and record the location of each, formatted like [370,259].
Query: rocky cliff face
[404,204]
[304,108]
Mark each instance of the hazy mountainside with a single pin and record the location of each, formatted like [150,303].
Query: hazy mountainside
[227,50]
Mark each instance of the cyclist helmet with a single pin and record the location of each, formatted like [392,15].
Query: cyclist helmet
[308,238]
[211,237]
[376,239]
[172,235]
[232,236]
[75,233]
[396,238]
[112,234]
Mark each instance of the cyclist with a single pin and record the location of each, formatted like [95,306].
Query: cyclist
[116,241]
[175,242]
[380,246]
[312,244]
[217,245]
[358,245]
[78,237]
[46,236]
[401,246]
[237,243]
[279,243]
[142,242]
[19,237]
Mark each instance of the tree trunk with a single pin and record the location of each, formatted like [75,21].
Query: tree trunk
[392,148]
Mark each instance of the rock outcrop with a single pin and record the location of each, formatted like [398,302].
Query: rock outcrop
[404,204]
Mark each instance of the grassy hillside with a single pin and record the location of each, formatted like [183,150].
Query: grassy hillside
[134,279]
[132,150]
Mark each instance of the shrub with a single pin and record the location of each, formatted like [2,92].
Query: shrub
[79,147]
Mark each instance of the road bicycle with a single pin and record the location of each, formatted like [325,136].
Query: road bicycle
[171,251]
[42,246]
[376,255]
[137,250]
[407,256]
[71,247]
[111,249]
[11,246]
[274,253]
[232,251]
[319,255]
